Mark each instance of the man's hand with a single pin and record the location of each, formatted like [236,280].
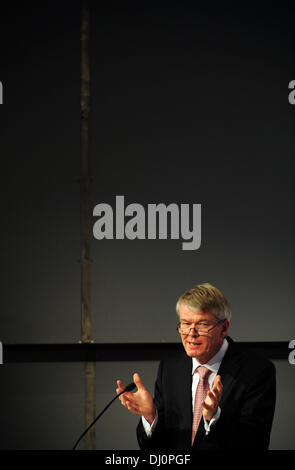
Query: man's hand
[211,402]
[139,402]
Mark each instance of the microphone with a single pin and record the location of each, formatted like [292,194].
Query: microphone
[128,388]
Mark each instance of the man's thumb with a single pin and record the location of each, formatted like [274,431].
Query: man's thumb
[137,381]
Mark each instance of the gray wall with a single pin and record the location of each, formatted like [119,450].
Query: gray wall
[189,105]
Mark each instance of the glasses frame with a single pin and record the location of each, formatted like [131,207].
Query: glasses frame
[199,329]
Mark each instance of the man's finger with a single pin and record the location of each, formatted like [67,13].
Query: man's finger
[120,385]
[213,396]
[217,382]
[217,385]
[138,382]
[216,392]
[120,389]
[207,407]
[218,388]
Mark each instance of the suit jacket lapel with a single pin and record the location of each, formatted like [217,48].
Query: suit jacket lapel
[228,370]
[184,368]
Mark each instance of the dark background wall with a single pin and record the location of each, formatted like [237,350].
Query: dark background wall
[189,105]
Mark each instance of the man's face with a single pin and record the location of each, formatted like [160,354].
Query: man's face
[202,347]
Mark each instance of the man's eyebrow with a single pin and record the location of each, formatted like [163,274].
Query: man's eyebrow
[189,321]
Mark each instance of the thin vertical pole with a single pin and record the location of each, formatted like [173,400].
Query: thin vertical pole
[85,200]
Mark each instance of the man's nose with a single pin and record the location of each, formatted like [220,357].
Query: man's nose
[193,332]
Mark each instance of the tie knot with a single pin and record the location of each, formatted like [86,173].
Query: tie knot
[203,372]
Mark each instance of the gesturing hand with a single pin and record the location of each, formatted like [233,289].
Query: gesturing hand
[139,402]
[211,402]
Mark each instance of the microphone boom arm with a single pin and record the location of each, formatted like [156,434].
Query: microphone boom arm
[128,388]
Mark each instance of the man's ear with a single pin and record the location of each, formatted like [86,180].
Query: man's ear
[225,327]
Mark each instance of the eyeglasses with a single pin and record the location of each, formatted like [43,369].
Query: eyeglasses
[184,329]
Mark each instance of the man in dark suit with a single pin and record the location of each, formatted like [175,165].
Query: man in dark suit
[211,396]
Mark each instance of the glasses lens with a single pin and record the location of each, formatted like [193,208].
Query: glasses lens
[186,330]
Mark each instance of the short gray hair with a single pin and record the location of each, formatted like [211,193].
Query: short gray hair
[207,298]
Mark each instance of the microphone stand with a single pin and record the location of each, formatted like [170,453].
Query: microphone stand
[128,388]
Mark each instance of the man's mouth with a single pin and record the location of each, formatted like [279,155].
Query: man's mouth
[192,343]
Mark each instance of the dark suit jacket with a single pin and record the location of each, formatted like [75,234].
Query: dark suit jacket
[247,404]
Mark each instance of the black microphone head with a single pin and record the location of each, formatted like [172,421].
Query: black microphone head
[130,387]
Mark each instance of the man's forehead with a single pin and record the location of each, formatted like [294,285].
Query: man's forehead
[185,312]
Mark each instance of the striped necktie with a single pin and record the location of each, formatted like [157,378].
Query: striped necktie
[201,392]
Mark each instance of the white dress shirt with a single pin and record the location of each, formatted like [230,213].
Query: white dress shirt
[213,364]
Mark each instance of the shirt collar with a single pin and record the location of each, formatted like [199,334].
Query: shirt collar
[215,361]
